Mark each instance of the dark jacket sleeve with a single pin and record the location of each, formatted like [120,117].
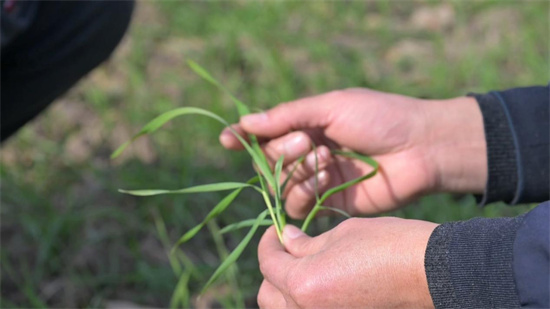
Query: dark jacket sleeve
[501,262]
[517,133]
[491,263]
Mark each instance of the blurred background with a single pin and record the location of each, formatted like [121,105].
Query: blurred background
[69,239]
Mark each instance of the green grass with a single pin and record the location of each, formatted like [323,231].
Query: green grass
[69,239]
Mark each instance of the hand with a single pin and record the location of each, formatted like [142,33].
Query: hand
[361,263]
[422,146]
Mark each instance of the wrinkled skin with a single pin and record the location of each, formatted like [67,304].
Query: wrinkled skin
[361,263]
[422,146]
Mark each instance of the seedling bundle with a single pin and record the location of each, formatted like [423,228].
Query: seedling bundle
[265,178]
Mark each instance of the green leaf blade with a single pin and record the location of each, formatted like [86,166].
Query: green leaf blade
[337,210]
[236,253]
[241,107]
[222,186]
[355,181]
[278,170]
[163,118]
[244,223]
[216,211]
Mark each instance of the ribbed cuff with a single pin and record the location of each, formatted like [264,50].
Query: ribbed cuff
[501,157]
[469,264]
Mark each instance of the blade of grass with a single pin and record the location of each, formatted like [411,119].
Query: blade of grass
[159,121]
[340,211]
[318,206]
[222,186]
[241,107]
[352,182]
[278,170]
[289,176]
[245,223]
[242,110]
[233,270]
[267,201]
[236,253]
[165,240]
[216,211]
[180,297]
[316,182]
[278,204]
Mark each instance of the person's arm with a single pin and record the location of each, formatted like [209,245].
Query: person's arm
[422,146]
[361,263]
[502,262]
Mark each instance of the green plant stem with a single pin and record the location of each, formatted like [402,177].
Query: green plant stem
[273,216]
[269,205]
[310,216]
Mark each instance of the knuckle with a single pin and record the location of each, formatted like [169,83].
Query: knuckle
[282,108]
[348,225]
[338,93]
[303,289]
[263,266]
[261,299]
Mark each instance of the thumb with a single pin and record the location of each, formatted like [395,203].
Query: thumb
[298,243]
[312,112]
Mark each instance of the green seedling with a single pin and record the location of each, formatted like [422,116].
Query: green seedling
[266,178]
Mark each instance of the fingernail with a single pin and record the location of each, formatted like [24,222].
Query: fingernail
[322,176]
[254,119]
[292,232]
[226,137]
[321,158]
[322,180]
[296,145]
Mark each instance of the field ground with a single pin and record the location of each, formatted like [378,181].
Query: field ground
[69,239]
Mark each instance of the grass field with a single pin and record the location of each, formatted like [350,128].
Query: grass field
[69,239]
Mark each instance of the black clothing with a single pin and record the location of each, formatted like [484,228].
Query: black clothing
[47,46]
[501,262]
[517,129]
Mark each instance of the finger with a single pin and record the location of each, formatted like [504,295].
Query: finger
[299,244]
[301,197]
[312,112]
[270,297]
[306,169]
[274,261]
[228,140]
[292,146]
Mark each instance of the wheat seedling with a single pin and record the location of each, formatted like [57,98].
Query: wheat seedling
[265,177]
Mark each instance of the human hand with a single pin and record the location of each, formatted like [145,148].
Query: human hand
[361,263]
[422,146]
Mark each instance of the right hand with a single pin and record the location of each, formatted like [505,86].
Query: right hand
[422,146]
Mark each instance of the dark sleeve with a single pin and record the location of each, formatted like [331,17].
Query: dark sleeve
[15,18]
[517,130]
[531,258]
[491,263]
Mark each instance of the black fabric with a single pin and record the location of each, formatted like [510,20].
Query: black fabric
[532,258]
[469,264]
[528,113]
[16,17]
[517,130]
[437,267]
[66,40]
[502,164]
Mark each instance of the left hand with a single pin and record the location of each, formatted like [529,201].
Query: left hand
[362,263]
